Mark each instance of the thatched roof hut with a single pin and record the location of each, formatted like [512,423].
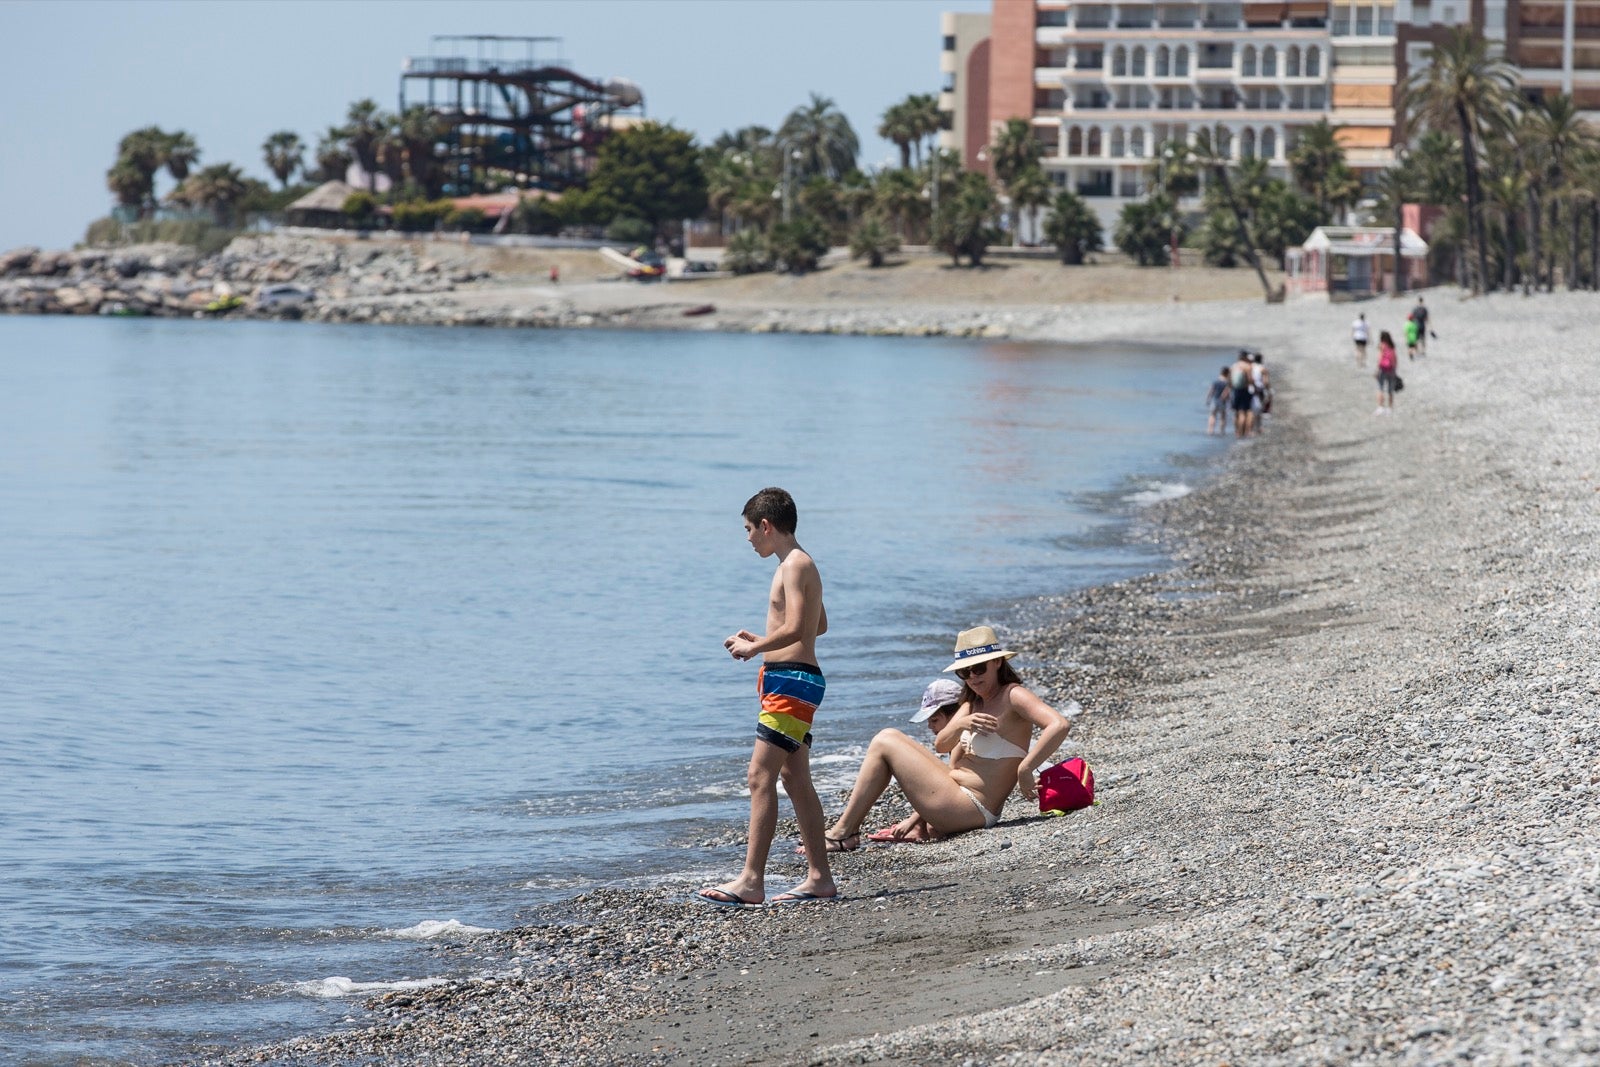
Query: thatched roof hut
[322,206]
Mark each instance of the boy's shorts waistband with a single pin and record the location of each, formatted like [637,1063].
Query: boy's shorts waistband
[794,665]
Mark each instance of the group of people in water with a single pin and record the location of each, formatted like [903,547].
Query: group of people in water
[984,720]
[1388,371]
[1241,393]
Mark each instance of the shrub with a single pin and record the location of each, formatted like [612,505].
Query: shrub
[420,216]
[628,230]
[538,215]
[1145,229]
[799,245]
[470,219]
[872,240]
[202,234]
[1073,227]
[746,253]
[360,206]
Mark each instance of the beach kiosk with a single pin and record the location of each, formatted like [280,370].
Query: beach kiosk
[1354,262]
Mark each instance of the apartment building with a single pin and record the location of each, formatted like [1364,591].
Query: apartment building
[964,84]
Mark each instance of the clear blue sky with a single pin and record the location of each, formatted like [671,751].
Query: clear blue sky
[78,74]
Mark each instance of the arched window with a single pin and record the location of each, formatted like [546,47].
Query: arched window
[1247,61]
[1247,143]
[1163,62]
[1269,143]
[1291,62]
[1138,62]
[1224,142]
[1136,142]
[1119,62]
[1180,66]
[1269,62]
[1313,62]
[1095,146]
[1118,144]
[1075,141]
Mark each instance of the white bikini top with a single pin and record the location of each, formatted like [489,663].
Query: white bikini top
[990,746]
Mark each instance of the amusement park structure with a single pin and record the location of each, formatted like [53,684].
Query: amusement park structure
[512,113]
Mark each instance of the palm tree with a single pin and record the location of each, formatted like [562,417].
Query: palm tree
[1072,227]
[1462,88]
[1210,152]
[1396,187]
[922,111]
[1316,157]
[362,132]
[963,226]
[1563,137]
[180,154]
[1506,194]
[333,158]
[897,127]
[899,197]
[1015,149]
[130,185]
[872,240]
[822,138]
[1029,191]
[283,153]
[218,188]
[1173,172]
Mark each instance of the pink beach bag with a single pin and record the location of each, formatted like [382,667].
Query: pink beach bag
[1066,786]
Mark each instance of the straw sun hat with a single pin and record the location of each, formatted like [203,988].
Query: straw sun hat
[978,645]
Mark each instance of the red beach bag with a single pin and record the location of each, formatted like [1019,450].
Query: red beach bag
[1066,786]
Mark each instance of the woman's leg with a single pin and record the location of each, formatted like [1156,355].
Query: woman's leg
[926,781]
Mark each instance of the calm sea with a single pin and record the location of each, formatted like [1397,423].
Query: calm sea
[320,642]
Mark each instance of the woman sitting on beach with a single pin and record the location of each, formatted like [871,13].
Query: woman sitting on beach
[987,738]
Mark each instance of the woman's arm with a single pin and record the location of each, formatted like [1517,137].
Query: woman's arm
[1053,729]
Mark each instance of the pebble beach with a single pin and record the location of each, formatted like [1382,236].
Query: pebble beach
[1346,751]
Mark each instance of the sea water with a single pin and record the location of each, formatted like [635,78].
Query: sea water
[321,643]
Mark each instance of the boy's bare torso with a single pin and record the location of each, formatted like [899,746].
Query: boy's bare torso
[799,573]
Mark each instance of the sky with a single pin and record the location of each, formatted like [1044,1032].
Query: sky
[79,74]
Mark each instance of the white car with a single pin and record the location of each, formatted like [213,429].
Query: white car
[277,297]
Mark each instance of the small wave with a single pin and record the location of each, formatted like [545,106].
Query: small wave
[332,988]
[429,929]
[1158,493]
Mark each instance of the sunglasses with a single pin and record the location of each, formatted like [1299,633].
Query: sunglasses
[977,668]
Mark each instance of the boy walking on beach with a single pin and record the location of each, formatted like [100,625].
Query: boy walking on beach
[790,685]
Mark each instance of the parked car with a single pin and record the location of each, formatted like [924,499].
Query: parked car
[279,297]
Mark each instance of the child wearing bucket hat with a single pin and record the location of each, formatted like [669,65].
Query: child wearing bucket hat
[988,739]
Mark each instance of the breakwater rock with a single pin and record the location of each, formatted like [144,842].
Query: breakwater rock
[169,279]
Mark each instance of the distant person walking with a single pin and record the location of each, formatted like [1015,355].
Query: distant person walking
[1412,333]
[1358,336]
[1261,392]
[1217,403]
[1388,376]
[1419,315]
[1239,375]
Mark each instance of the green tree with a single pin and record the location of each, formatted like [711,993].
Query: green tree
[1029,191]
[218,189]
[1283,219]
[898,195]
[899,129]
[1466,90]
[363,131]
[822,136]
[283,153]
[130,185]
[1173,171]
[872,241]
[922,111]
[1072,227]
[1213,154]
[333,157]
[1563,139]
[651,171]
[179,154]
[1015,150]
[1145,229]
[746,253]
[1316,158]
[360,206]
[964,224]
[1396,187]
[798,246]
[420,129]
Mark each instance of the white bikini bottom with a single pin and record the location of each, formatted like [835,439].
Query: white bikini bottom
[989,817]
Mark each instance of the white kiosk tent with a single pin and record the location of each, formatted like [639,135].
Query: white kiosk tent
[1355,261]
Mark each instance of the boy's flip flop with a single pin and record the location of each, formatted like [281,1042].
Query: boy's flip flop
[795,896]
[723,899]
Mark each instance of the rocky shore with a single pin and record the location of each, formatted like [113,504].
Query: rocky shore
[1348,760]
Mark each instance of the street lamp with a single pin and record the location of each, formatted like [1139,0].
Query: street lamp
[789,157]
